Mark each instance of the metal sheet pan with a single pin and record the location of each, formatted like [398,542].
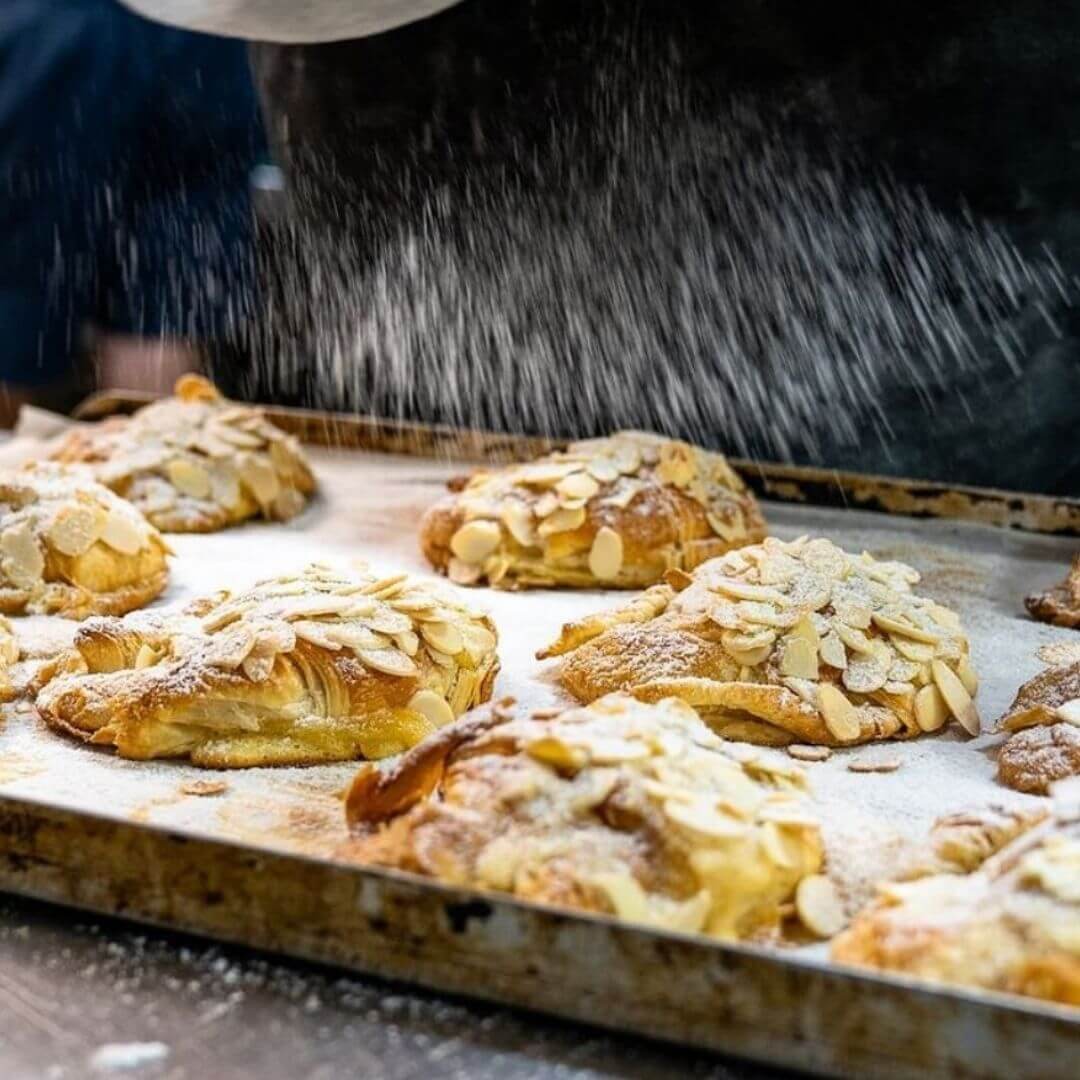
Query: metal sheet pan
[253,864]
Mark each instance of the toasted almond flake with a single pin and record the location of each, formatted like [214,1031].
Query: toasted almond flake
[818,906]
[204,788]
[475,540]
[832,651]
[76,529]
[547,713]
[854,639]
[518,520]
[809,753]
[800,658]
[243,440]
[408,642]
[388,661]
[562,521]
[839,714]
[904,628]
[463,573]
[881,765]
[443,636]
[1069,711]
[577,486]
[603,470]
[546,505]
[699,817]
[552,751]
[956,696]
[966,674]
[432,706]
[123,532]
[916,651]
[606,554]
[147,656]
[745,590]
[260,478]
[864,674]
[627,459]
[188,477]
[544,473]
[677,464]
[387,621]
[20,557]
[477,640]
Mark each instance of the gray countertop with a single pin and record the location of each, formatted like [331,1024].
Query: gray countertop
[82,996]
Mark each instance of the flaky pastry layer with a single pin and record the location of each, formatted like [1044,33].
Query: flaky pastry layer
[783,642]
[196,462]
[1043,725]
[1006,917]
[326,665]
[615,512]
[632,809]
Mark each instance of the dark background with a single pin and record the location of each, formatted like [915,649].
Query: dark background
[977,103]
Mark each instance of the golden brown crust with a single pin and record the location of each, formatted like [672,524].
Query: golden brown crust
[1061,604]
[616,512]
[9,654]
[1043,726]
[70,547]
[196,462]
[1008,921]
[324,666]
[780,643]
[630,809]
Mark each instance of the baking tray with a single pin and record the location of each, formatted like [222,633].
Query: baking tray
[253,864]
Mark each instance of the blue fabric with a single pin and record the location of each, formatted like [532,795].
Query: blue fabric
[125,149]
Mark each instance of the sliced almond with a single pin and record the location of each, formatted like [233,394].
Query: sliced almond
[147,656]
[809,753]
[879,765]
[577,486]
[124,533]
[1069,711]
[243,440]
[800,658]
[475,541]
[916,651]
[562,521]
[443,636]
[546,505]
[677,464]
[432,706]
[603,470]
[729,530]
[840,716]
[260,478]
[966,673]
[224,486]
[477,640]
[904,628]
[698,816]
[956,696]
[188,477]
[22,562]
[606,554]
[388,661]
[463,573]
[554,752]
[832,651]
[818,906]
[76,529]
[864,674]
[518,520]
[745,590]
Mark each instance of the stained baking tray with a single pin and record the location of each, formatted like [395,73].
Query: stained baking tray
[254,864]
